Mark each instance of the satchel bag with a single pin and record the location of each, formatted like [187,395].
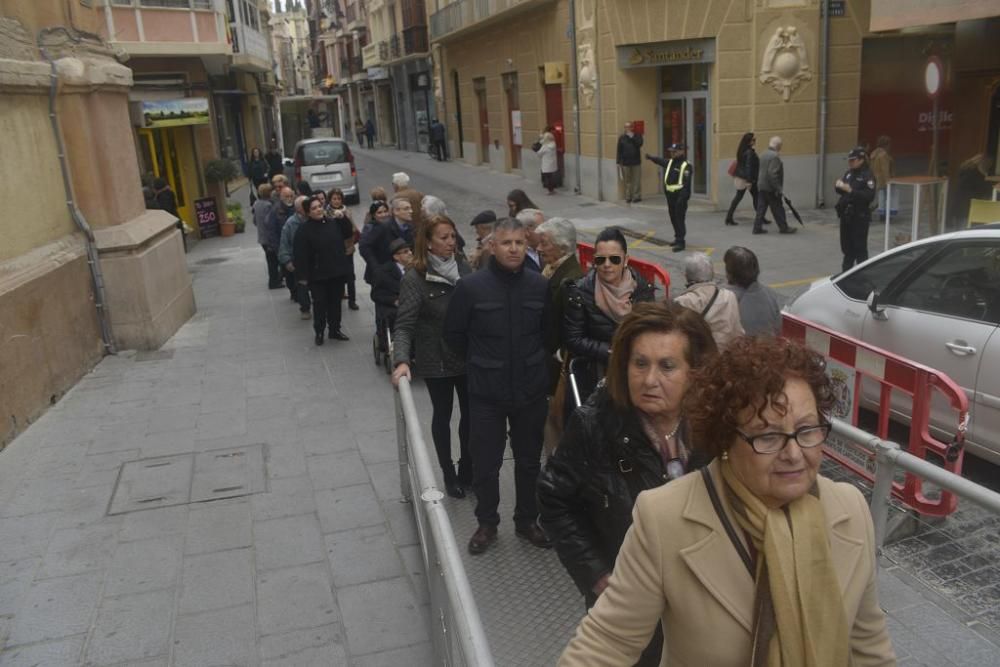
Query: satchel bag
[537,146]
[732,168]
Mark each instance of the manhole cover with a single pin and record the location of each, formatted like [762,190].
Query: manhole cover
[212,260]
[189,478]
[154,355]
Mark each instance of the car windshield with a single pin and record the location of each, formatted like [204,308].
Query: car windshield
[327,152]
[876,276]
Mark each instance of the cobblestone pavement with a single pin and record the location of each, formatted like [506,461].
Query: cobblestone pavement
[273,533]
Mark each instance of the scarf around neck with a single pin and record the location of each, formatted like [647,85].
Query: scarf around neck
[446,268]
[615,301]
[799,615]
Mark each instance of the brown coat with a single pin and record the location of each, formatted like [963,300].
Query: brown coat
[723,317]
[882,168]
[678,565]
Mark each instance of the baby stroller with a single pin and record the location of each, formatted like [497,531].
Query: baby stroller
[382,340]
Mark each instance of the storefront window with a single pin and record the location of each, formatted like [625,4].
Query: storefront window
[680,78]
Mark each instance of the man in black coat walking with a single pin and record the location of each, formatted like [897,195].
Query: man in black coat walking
[496,322]
[629,160]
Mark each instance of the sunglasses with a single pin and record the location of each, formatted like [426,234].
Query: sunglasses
[614,259]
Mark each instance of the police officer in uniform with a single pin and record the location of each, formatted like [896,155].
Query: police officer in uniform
[677,187]
[857,191]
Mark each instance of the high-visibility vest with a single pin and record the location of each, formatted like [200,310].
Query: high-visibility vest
[679,185]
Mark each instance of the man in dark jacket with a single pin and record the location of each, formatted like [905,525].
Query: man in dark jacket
[629,161]
[496,322]
[275,161]
[271,234]
[376,244]
[385,286]
[438,140]
[857,191]
[677,187]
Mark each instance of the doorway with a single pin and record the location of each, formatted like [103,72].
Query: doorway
[169,153]
[684,118]
[479,85]
[458,113]
[513,118]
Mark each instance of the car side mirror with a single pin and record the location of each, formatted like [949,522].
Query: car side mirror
[877,311]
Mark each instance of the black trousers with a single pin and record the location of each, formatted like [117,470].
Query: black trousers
[371,140]
[440,150]
[772,200]
[853,241]
[488,432]
[442,391]
[677,207]
[326,297]
[299,293]
[738,197]
[273,270]
[352,289]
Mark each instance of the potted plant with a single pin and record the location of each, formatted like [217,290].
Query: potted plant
[234,214]
[221,171]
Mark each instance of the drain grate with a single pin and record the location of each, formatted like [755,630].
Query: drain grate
[212,260]
[188,478]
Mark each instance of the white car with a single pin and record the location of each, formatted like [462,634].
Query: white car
[326,163]
[937,302]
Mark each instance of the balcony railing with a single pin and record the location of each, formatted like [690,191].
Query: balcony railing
[415,40]
[462,14]
[165,4]
[371,55]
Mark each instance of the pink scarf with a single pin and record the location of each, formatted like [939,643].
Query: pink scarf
[615,301]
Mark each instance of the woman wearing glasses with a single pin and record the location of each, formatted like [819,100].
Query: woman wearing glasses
[755,559]
[629,437]
[595,304]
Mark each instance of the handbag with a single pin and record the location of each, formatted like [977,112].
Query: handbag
[732,168]
[536,146]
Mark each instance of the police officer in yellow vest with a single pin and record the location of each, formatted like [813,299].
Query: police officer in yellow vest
[677,187]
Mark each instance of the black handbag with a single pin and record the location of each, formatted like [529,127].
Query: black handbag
[536,146]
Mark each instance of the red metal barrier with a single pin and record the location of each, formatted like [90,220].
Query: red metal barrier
[893,373]
[652,272]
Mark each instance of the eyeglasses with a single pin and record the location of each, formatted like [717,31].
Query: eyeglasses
[614,259]
[772,443]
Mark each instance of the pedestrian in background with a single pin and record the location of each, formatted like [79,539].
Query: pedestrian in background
[495,322]
[628,157]
[370,133]
[883,168]
[482,223]
[398,226]
[760,306]
[378,214]
[857,190]
[257,172]
[677,187]
[745,175]
[424,295]
[275,160]
[530,218]
[517,201]
[322,264]
[770,189]
[548,154]
[402,188]
[718,306]
[438,140]
[261,210]
[286,249]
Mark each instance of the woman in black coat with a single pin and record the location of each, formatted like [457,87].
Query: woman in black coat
[322,263]
[596,303]
[745,177]
[630,436]
[258,171]
[418,343]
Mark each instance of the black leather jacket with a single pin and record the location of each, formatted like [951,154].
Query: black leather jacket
[588,487]
[587,329]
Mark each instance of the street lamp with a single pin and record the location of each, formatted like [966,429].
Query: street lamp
[933,79]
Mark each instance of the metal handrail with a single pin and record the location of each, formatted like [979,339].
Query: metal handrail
[415,458]
[888,457]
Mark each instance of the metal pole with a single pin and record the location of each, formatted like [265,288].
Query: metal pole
[576,91]
[402,451]
[597,95]
[823,77]
[934,137]
[882,491]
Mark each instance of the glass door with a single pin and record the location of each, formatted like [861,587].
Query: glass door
[684,119]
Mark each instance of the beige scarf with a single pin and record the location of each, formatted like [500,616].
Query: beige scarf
[799,616]
[615,301]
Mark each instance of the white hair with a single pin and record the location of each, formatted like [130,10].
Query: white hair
[528,216]
[562,233]
[400,179]
[432,206]
[698,268]
[774,142]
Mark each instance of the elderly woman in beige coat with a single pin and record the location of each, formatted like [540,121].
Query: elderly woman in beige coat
[755,560]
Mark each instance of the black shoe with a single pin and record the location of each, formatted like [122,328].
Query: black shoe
[275,287]
[534,535]
[787,230]
[766,221]
[319,339]
[338,335]
[482,539]
[454,489]
[758,230]
[731,223]
[637,199]
[628,201]
[353,306]
[678,247]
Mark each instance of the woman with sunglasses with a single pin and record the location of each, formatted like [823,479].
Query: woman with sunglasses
[595,304]
[756,559]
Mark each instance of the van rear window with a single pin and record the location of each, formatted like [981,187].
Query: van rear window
[332,152]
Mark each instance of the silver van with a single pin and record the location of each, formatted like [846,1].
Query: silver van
[326,163]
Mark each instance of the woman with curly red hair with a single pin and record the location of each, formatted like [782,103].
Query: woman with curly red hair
[756,559]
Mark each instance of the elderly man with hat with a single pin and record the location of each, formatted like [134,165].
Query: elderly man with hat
[677,186]
[385,285]
[854,208]
[483,224]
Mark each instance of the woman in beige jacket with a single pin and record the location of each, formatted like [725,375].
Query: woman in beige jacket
[758,560]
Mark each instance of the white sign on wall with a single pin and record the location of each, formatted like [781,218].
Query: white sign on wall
[515,124]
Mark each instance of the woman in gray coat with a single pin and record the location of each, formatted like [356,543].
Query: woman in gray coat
[418,345]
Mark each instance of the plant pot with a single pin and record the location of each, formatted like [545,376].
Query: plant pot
[227,228]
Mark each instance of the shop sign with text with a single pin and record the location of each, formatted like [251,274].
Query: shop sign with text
[658,54]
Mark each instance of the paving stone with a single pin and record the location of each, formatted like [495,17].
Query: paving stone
[61,653]
[319,647]
[294,540]
[362,555]
[378,446]
[218,525]
[420,654]
[295,598]
[15,581]
[56,608]
[373,627]
[157,522]
[79,549]
[268,385]
[385,479]
[24,536]
[286,460]
[144,565]
[223,637]
[333,471]
[221,424]
[287,496]
[402,523]
[168,443]
[131,628]
[263,408]
[413,563]
[325,439]
[348,508]
[217,580]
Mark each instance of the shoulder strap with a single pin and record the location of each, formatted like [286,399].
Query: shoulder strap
[726,524]
[711,302]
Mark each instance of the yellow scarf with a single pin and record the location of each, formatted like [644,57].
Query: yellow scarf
[799,616]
